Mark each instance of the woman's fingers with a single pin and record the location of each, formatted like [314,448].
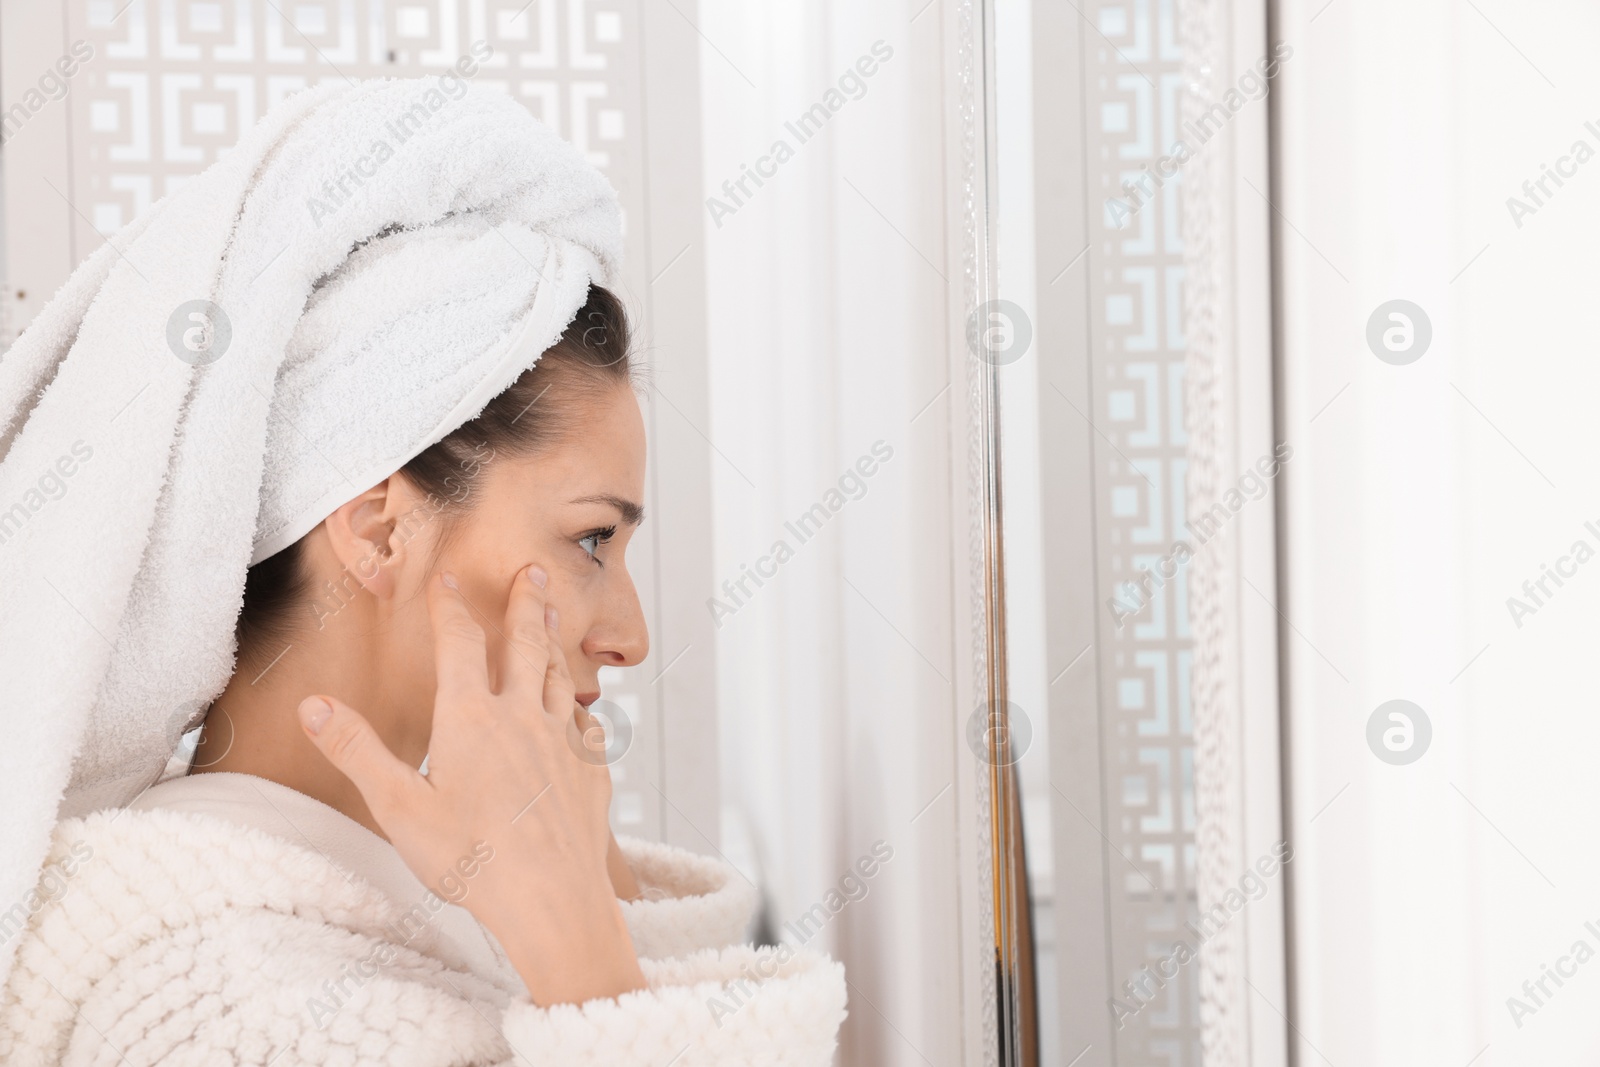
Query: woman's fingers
[585,736]
[560,694]
[459,657]
[354,747]
[527,635]
[623,883]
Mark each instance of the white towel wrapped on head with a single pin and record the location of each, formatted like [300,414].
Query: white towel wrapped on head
[149,456]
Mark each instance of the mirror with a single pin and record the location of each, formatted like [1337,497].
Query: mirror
[1101,266]
[1141,630]
[809,196]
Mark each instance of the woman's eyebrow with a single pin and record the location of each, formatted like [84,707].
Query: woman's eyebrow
[632,513]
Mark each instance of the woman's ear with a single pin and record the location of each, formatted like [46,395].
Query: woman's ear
[368,540]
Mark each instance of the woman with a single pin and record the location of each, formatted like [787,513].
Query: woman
[392,843]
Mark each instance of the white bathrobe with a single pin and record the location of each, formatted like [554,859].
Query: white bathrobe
[224,918]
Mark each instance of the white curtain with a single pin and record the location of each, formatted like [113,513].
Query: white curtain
[1426,495]
[828,358]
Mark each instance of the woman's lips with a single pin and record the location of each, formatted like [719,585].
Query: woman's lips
[587,698]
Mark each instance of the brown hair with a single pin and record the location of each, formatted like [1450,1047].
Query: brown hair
[591,358]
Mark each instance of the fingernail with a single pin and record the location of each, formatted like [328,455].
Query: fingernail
[314,711]
[449,579]
[551,619]
[538,576]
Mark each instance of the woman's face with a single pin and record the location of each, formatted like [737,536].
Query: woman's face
[572,510]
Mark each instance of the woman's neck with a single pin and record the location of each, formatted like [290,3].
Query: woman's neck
[252,728]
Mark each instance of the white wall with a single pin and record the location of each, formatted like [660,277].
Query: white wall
[1420,498]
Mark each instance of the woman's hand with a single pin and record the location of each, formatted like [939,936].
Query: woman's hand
[502,777]
[623,882]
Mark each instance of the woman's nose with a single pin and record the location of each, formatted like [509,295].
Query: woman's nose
[620,637]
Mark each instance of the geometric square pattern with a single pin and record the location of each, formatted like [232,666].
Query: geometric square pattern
[1131,76]
[174,83]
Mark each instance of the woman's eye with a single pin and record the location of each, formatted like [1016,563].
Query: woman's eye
[591,542]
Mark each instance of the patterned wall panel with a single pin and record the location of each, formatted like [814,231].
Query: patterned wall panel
[1132,59]
[176,82]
